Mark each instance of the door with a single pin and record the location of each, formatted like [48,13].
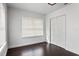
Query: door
[58,31]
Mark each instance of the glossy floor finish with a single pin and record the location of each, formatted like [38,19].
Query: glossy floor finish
[40,49]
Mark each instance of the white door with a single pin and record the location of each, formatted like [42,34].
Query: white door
[58,31]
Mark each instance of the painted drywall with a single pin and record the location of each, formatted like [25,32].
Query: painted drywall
[15,28]
[3,29]
[42,8]
[72,26]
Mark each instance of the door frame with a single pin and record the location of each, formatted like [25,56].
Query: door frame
[65,27]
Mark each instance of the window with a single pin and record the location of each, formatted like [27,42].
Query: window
[32,26]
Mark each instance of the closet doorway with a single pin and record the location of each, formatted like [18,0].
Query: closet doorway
[58,31]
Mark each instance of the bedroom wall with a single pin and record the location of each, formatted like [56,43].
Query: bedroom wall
[72,26]
[3,29]
[15,27]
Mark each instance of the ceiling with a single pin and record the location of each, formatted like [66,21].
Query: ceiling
[42,8]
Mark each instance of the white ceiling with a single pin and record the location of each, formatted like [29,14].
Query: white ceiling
[42,8]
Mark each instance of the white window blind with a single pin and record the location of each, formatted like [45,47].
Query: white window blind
[32,26]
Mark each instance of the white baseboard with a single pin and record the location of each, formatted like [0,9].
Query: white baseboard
[67,49]
[3,49]
[72,51]
[25,44]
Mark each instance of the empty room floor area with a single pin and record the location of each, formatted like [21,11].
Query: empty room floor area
[39,49]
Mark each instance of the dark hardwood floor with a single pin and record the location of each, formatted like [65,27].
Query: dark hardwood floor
[40,49]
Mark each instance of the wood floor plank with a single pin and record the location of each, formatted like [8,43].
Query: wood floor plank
[40,49]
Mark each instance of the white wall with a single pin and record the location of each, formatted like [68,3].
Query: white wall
[3,29]
[72,26]
[15,27]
